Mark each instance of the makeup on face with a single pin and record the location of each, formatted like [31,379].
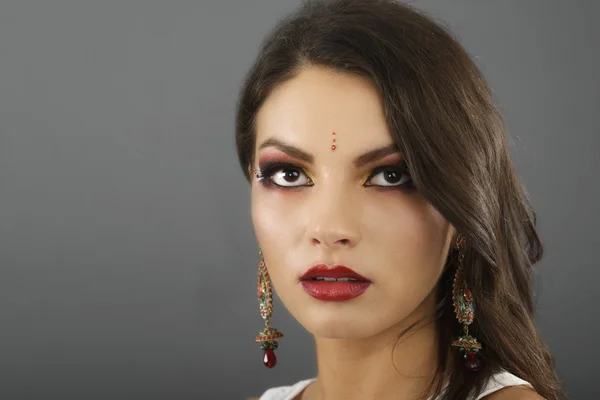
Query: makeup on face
[285,167]
[338,283]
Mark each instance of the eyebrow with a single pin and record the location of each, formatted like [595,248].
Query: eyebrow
[288,149]
[375,154]
[360,161]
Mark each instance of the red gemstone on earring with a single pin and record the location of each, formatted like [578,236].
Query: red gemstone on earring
[333,147]
[269,359]
[472,362]
[468,294]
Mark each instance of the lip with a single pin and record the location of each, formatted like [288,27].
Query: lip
[338,271]
[333,290]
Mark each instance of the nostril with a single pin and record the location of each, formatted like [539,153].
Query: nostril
[333,239]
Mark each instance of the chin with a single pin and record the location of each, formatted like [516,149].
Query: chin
[333,322]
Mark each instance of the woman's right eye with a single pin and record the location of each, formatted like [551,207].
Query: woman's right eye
[287,176]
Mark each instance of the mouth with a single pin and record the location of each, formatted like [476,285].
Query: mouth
[339,273]
[326,279]
[339,283]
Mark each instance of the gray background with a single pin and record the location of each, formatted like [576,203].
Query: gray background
[127,257]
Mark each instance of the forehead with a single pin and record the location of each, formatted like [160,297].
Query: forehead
[305,110]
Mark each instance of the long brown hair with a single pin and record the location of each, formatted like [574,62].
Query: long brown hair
[443,118]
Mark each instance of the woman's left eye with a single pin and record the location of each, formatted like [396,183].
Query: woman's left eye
[389,177]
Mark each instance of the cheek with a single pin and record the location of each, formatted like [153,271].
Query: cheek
[277,219]
[262,218]
[267,214]
[415,240]
[276,224]
[409,250]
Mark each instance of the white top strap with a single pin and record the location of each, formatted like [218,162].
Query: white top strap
[498,381]
[286,392]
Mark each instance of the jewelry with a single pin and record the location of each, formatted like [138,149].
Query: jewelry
[462,299]
[333,146]
[267,337]
[258,174]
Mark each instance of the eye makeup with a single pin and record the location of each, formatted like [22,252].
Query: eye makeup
[267,170]
[270,171]
[400,168]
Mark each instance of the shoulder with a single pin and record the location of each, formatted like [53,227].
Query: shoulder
[514,393]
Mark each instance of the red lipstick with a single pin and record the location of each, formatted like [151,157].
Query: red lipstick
[333,284]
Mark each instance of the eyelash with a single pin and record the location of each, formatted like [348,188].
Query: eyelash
[268,169]
[401,168]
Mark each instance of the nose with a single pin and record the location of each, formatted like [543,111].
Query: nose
[333,221]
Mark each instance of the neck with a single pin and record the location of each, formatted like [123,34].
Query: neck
[379,367]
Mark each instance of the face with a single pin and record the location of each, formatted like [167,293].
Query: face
[353,205]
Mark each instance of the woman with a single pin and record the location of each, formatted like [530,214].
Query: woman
[388,213]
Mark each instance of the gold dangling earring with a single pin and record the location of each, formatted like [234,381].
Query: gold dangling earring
[462,299]
[267,337]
